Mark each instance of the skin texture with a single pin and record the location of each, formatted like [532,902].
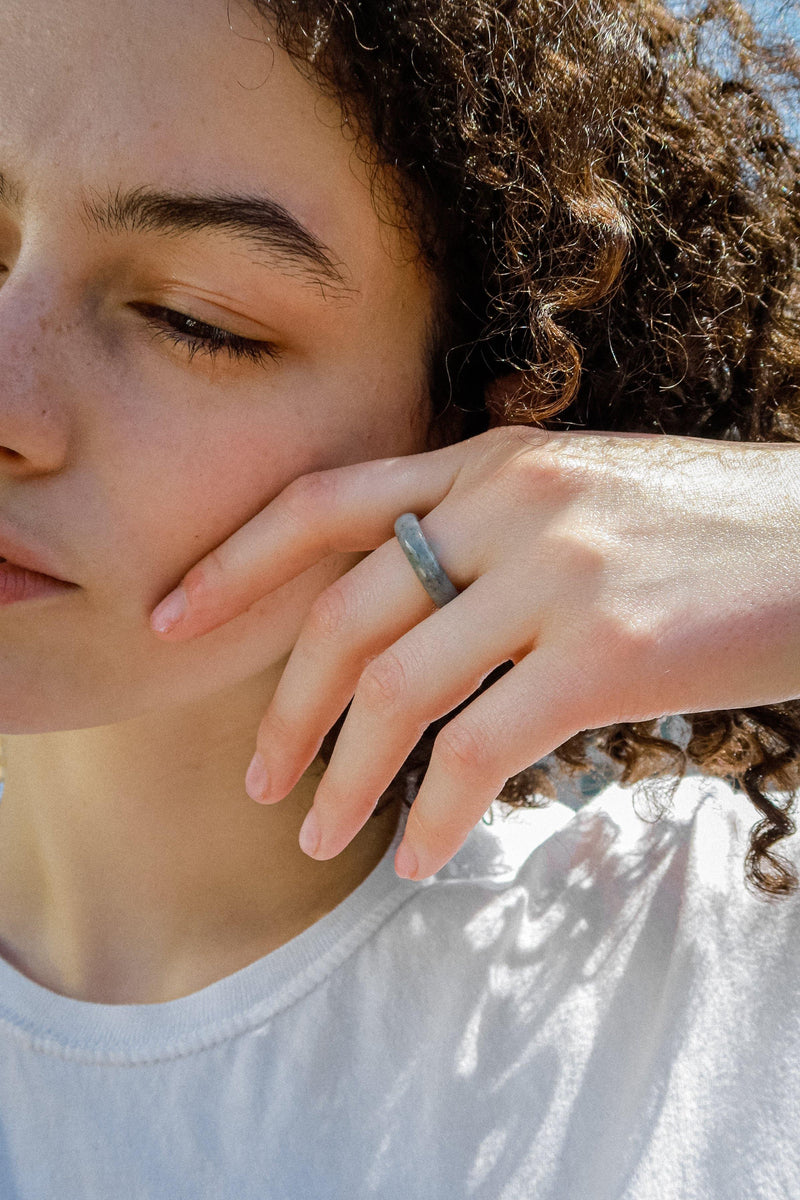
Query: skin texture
[626,577]
[127,459]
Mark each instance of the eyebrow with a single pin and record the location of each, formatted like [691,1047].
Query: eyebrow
[263,222]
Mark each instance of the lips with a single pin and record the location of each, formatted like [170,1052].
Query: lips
[16,552]
[18,583]
[19,567]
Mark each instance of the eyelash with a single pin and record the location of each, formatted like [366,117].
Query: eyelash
[205,339]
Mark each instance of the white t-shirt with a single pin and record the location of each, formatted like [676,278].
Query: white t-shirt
[578,1007]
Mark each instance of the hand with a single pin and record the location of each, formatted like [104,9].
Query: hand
[625,576]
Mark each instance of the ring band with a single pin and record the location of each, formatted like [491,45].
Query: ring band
[426,565]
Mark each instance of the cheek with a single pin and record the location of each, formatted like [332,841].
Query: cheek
[172,496]
[178,466]
[157,494]
[186,501]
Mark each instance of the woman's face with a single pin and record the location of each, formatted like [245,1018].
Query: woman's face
[162,162]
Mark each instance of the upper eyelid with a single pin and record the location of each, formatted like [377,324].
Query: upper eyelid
[150,309]
[110,275]
[145,306]
[234,345]
[216,309]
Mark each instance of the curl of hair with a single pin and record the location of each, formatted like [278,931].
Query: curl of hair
[615,223]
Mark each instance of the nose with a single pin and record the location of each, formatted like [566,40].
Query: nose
[34,358]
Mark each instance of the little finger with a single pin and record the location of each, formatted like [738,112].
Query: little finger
[522,717]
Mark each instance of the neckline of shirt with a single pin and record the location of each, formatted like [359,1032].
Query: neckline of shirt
[138,1033]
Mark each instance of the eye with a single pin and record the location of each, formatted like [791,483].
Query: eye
[198,337]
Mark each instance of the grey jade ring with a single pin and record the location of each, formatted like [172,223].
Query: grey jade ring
[426,565]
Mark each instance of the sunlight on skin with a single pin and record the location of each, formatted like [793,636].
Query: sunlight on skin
[129,452]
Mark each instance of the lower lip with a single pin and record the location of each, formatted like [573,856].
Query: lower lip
[17,583]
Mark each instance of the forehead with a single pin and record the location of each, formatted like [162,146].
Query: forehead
[190,95]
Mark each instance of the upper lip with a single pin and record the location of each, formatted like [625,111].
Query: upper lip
[23,554]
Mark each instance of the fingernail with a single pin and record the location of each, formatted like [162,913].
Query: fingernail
[405,863]
[309,834]
[257,778]
[169,611]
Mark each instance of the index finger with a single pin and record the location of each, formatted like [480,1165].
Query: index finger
[342,509]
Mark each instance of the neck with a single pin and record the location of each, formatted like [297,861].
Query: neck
[135,869]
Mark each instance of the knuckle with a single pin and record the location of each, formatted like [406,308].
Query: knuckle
[332,611]
[384,682]
[275,729]
[463,750]
[633,639]
[581,554]
[622,632]
[308,499]
[539,480]
[205,577]
[440,833]
[575,574]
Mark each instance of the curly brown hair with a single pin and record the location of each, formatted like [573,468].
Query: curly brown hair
[615,220]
